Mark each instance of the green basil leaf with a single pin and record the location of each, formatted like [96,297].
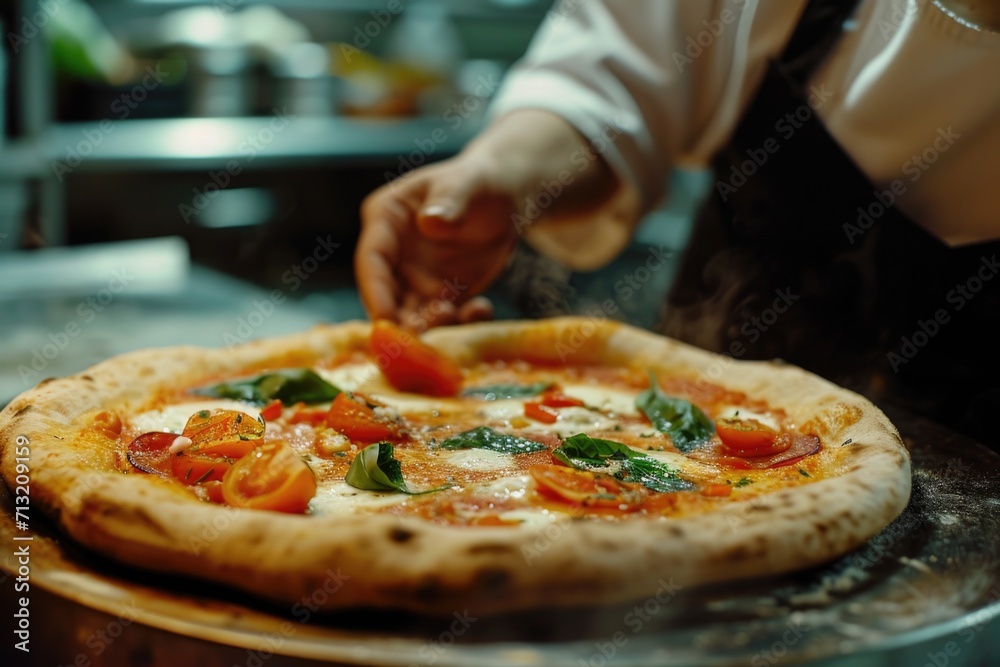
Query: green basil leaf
[582,446]
[375,468]
[496,392]
[483,437]
[687,426]
[624,463]
[291,385]
[654,475]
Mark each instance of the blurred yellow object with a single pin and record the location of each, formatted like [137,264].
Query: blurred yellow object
[379,88]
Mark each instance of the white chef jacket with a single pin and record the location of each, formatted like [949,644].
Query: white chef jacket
[910,91]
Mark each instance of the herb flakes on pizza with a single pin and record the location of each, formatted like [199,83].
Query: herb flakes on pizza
[426,469]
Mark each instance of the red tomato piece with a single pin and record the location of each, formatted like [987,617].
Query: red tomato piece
[272,478]
[749,438]
[540,413]
[717,490]
[303,416]
[556,399]
[587,489]
[412,365]
[192,467]
[272,411]
[357,421]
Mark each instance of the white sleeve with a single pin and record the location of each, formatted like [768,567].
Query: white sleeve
[665,79]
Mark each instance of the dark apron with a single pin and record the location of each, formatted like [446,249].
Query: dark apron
[783,264]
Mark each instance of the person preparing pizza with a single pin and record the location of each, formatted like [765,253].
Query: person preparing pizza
[842,177]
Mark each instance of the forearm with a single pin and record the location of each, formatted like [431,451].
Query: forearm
[544,158]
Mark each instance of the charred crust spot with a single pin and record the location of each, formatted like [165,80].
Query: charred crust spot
[822,528]
[87,378]
[492,579]
[45,382]
[758,508]
[400,535]
[676,531]
[21,411]
[489,548]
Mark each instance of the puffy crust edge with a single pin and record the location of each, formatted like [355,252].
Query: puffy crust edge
[389,562]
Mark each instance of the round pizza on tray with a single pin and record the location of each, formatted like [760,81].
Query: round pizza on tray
[491,467]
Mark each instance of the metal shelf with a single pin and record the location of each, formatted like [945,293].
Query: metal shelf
[236,143]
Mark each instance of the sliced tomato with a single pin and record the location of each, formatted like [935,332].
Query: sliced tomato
[540,413]
[304,416]
[212,491]
[410,364]
[556,399]
[357,421]
[206,426]
[586,489]
[272,410]
[193,467]
[272,478]
[796,448]
[717,490]
[749,438]
[150,452]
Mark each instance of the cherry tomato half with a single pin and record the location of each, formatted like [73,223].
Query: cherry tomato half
[749,438]
[556,399]
[357,421]
[412,365]
[586,489]
[540,413]
[273,477]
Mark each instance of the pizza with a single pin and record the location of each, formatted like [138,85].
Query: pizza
[493,467]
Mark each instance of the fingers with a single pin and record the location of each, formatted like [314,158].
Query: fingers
[383,217]
[445,203]
[478,309]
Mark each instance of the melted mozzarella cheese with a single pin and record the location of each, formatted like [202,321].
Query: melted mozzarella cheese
[609,399]
[575,420]
[172,418]
[479,459]
[338,497]
[351,377]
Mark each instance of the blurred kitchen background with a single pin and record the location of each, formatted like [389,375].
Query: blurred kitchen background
[179,171]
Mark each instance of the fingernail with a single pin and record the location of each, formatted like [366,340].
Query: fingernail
[437,211]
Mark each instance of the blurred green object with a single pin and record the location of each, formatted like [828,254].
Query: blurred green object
[82,46]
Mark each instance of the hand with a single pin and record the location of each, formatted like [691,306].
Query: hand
[434,239]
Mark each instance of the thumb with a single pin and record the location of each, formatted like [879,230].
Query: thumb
[445,205]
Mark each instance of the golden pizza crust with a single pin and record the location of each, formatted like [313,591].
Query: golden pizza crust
[408,563]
